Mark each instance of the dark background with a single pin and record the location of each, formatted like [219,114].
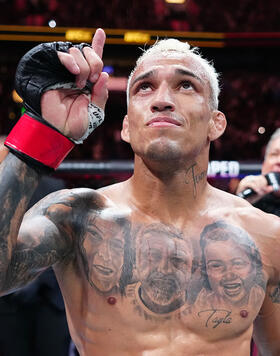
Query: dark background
[249,69]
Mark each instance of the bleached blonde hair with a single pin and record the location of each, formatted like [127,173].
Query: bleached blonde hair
[164,47]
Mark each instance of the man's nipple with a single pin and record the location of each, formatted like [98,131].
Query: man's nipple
[243,313]
[112,300]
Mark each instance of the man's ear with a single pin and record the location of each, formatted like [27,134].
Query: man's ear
[217,125]
[125,130]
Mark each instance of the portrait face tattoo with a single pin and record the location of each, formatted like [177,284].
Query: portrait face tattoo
[164,265]
[230,270]
[104,245]
[231,263]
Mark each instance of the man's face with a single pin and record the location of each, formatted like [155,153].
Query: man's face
[164,265]
[104,245]
[229,269]
[272,159]
[168,112]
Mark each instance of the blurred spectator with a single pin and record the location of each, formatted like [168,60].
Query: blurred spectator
[266,195]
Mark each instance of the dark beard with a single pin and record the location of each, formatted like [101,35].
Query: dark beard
[163,152]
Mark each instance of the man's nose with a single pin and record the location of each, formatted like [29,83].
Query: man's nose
[162,100]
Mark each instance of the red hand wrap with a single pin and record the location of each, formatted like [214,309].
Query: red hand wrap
[39,141]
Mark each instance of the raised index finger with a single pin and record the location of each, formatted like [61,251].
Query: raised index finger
[98,42]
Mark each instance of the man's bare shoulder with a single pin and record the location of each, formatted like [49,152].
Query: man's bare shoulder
[71,198]
[231,201]
[242,213]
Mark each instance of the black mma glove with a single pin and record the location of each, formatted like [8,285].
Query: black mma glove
[40,69]
[33,139]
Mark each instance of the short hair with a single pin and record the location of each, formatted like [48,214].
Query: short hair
[275,135]
[173,45]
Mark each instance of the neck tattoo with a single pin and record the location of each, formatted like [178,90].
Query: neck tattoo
[195,178]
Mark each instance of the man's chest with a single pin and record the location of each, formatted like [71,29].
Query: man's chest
[205,276]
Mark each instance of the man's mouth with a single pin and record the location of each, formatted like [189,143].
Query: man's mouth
[104,270]
[163,121]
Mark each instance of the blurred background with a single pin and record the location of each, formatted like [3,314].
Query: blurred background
[242,37]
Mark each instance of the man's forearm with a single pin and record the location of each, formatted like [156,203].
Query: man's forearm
[18,182]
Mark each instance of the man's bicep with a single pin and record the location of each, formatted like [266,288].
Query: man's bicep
[40,244]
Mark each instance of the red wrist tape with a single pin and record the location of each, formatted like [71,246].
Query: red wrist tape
[39,141]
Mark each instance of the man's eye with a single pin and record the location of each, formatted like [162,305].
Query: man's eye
[186,84]
[144,87]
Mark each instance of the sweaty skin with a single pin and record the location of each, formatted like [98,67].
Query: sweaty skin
[162,264]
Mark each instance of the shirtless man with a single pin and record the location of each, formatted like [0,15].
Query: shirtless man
[128,256]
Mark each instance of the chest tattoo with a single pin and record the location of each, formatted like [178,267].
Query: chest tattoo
[163,273]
